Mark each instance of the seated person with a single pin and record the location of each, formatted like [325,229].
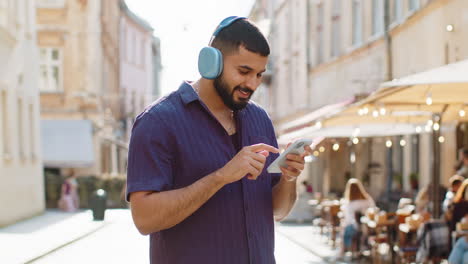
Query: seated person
[356,200]
[424,198]
[459,253]
[454,184]
[460,205]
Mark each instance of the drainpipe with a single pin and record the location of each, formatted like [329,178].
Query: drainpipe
[388,40]
[309,64]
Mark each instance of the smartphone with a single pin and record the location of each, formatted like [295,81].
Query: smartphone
[295,148]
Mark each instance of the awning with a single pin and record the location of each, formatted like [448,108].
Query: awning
[413,99]
[67,143]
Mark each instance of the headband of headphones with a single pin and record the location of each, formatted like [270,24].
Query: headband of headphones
[224,24]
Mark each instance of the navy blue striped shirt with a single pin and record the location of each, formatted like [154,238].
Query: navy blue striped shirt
[177,141]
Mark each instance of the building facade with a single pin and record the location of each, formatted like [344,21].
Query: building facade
[80,86]
[21,177]
[328,52]
[136,65]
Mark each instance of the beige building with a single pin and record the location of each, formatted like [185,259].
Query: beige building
[329,53]
[21,178]
[79,84]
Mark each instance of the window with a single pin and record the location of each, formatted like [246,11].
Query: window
[357,22]
[32,126]
[396,14]
[377,17]
[336,31]
[20,132]
[413,5]
[5,134]
[50,78]
[320,21]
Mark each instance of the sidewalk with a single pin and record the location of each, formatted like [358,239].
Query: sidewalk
[308,237]
[30,239]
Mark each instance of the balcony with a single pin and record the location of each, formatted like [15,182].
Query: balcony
[8,20]
[50,3]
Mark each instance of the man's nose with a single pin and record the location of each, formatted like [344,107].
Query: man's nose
[252,82]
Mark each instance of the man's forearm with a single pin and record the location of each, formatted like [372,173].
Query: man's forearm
[284,197]
[162,210]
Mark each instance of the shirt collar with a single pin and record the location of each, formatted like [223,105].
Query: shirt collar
[187,93]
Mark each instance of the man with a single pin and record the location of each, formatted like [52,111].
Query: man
[197,179]
[454,184]
[463,171]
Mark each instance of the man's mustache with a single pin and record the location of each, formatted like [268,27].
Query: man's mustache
[245,90]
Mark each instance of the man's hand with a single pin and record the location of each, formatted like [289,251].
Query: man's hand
[249,161]
[295,164]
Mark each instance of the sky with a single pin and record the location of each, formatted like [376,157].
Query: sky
[185,27]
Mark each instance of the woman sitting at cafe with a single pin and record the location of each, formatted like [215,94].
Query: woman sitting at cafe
[356,200]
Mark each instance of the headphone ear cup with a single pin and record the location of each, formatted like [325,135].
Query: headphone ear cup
[210,63]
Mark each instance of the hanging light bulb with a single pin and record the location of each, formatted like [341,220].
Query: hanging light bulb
[316,153]
[436,127]
[318,125]
[441,139]
[428,128]
[352,157]
[462,113]
[430,122]
[322,149]
[365,110]
[418,129]
[383,111]
[355,141]
[402,142]
[375,113]
[336,147]
[389,143]
[429,99]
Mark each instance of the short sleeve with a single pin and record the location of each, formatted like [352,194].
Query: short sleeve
[150,157]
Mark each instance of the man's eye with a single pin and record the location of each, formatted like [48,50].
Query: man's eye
[243,72]
[259,75]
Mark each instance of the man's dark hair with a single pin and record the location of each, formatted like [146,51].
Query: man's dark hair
[241,33]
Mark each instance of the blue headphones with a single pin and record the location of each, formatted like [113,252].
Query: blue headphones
[210,60]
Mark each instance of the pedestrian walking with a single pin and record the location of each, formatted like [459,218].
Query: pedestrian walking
[197,180]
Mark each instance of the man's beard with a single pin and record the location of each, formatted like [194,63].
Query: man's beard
[228,96]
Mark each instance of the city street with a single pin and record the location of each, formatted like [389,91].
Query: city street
[120,242]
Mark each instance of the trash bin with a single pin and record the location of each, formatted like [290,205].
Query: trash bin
[98,204]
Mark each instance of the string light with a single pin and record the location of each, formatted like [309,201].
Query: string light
[322,149]
[436,127]
[375,113]
[402,142]
[441,139]
[429,99]
[336,147]
[430,122]
[462,113]
[389,143]
[355,141]
[383,111]
[428,128]
[365,110]
[352,157]
[418,129]
[316,153]
[318,125]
